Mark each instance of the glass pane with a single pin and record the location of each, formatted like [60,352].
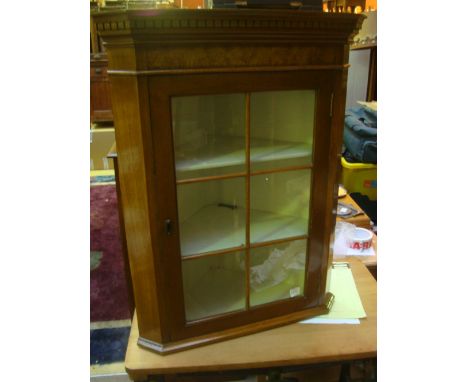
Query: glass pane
[209,135]
[281,128]
[279,205]
[214,285]
[277,272]
[211,215]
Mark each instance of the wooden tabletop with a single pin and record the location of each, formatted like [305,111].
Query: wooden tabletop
[296,344]
[361,220]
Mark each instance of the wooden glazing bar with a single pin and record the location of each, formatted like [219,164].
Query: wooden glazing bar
[230,314]
[282,169]
[214,317]
[213,177]
[213,253]
[247,203]
[277,302]
[243,248]
[240,174]
[278,241]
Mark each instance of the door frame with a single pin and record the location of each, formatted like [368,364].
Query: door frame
[161,89]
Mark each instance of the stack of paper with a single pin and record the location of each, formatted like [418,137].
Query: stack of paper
[347,306]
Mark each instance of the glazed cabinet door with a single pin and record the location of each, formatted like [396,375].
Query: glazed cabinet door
[243,155]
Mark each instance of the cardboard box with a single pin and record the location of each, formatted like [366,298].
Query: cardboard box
[101,142]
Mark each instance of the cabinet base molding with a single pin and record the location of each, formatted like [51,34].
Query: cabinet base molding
[176,346]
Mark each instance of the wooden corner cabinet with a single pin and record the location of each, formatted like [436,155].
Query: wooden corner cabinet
[228,128]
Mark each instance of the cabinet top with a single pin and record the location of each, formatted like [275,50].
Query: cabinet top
[224,25]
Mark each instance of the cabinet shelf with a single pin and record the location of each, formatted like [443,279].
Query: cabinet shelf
[230,151]
[224,228]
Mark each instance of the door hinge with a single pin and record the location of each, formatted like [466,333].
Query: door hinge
[331,104]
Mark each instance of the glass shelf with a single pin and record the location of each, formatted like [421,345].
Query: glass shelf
[229,152]
[208,134]
[212,228]
[280,205]
[220,230]
[211,215]
[282,122]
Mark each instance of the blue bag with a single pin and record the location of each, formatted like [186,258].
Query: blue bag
[360,134]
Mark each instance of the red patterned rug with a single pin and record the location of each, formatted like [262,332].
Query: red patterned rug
[109,295]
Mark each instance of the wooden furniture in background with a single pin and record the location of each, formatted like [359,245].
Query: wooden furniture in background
[189,4]
[285,348]
[362,81]
[112,5]
[349,6]
[371,91]
[192,91]
[96,8]
[95,43]
[100,97]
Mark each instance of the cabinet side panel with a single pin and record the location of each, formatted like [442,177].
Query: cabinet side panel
[334,158]
[133,184]
[320,196]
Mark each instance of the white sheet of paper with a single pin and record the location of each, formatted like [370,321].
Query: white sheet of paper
[323,320]
[347,306]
